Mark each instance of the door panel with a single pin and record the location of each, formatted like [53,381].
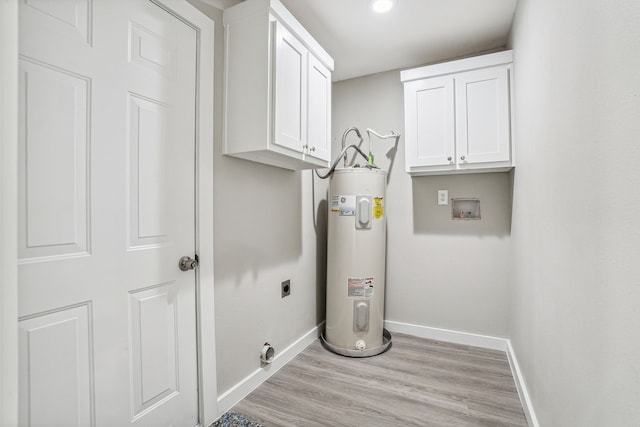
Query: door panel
[482,99]
[147,171]
[429,105]
[319,112]
[53,205]
[153,355]
[107,189]
[55,367]
[70,19]
[151,50]
[290,90]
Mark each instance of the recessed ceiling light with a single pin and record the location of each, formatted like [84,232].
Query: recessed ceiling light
[382,6]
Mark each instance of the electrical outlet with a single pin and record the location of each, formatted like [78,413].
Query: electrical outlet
[443,197]
[286,288]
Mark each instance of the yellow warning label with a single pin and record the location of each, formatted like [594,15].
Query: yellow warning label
[378,207]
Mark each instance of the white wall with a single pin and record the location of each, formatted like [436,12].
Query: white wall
[270,225]
[440,273]
[575,282]
[8,212]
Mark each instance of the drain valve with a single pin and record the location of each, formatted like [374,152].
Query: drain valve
[267,354]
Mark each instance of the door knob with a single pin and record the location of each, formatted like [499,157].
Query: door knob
[462,158]
[187,263]
[449,158]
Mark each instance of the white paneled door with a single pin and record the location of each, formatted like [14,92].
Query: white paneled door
[106,203]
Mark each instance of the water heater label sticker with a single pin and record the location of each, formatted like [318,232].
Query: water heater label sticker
[360,287]
[378,207]
[335,203]
[346,205]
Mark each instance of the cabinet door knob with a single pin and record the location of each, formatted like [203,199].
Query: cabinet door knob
[462,158]
[312,148]
[449,158]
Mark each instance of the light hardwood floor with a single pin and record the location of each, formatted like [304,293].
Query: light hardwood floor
[417,382]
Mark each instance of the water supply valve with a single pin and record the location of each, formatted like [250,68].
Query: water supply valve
[267,354]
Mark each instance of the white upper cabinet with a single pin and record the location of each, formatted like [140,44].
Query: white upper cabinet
[277,107]
[458,116]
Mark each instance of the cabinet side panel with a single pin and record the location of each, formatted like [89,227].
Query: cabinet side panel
[247,77]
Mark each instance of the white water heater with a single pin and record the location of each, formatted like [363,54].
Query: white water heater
[356,263]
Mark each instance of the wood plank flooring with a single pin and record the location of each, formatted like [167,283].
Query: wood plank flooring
[417,382]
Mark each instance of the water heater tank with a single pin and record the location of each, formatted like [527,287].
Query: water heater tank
[356,263]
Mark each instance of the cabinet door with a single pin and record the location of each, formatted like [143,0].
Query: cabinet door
[319,110]
[482,116]
[429,120]
[290,90]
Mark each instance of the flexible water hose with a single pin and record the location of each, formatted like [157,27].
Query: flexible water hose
[335,162]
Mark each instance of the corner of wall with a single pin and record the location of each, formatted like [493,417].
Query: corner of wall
[483,341]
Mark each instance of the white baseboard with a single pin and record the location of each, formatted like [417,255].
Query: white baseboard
[475,340]
[525,399]
[448,335]
[241,390]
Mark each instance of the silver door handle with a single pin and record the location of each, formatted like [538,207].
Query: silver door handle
[187,263]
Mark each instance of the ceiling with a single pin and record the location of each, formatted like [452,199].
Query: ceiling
[413,33]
